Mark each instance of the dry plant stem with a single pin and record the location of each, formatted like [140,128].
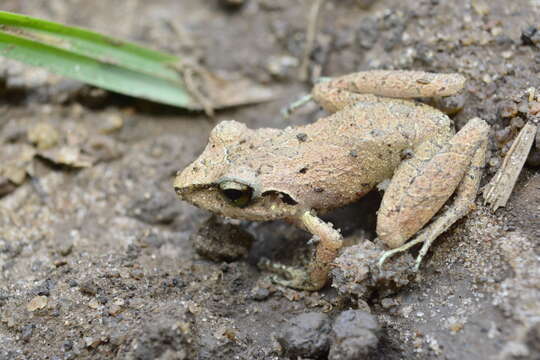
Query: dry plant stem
[311,33]
[196,78]
[498,190]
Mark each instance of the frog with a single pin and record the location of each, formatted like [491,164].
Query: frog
[375,132]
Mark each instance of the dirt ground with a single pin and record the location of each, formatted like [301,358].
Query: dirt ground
[100,262]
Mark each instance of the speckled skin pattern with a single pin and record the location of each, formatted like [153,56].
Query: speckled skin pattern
[370,137]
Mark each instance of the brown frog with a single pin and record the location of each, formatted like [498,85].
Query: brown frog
[370,136]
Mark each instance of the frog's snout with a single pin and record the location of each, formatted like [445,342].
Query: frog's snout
[178,191]
[182,183]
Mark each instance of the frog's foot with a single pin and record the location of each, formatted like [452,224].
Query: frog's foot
[389,253]
[289,276]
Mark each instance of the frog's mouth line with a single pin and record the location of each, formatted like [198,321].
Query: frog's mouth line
[183,190]
[284,197]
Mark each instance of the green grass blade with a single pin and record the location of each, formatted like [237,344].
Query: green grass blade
[94,58]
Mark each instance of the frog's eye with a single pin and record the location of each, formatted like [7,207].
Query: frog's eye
[236,193]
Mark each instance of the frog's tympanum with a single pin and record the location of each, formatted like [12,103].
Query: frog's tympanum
[369,137]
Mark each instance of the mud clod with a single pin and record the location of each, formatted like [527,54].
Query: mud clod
[355,334]
[357,271]
[306,335]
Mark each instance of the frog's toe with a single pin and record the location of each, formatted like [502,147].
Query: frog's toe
[385,256]
[389,253]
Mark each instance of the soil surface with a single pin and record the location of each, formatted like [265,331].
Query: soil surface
[99,259]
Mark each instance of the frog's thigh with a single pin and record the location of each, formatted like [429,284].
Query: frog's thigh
[333,99]
[422,184]
[391,83]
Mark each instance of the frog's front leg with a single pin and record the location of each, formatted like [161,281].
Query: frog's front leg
[422,185]
[316,275]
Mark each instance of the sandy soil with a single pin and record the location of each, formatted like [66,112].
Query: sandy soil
[101,262]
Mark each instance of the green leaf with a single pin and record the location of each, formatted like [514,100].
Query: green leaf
[94,59]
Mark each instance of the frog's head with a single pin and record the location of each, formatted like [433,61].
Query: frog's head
[227,178]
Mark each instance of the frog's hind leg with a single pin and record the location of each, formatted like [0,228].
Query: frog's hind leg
[333,99]
[339,92]
[420,188]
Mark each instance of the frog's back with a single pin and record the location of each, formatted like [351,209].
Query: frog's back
[339,158]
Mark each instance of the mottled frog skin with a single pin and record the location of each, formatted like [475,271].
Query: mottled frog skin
[369,137]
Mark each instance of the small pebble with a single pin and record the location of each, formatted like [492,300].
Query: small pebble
[387,303]
[517,123]
[281,66]
[59,262]
[37,303]
[137,274]
[88,288]
[93,304]
[451,105]
[26,333]
[44,288]
[67,345]
[534,107]
[523,107]
[503,135]
[92,342]
[456,327]
[111,123]
[65,248]
[508,109]
[259,293]
[530,36]
[115,310]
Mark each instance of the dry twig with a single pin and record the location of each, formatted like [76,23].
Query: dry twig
[311,33]
[498,191]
